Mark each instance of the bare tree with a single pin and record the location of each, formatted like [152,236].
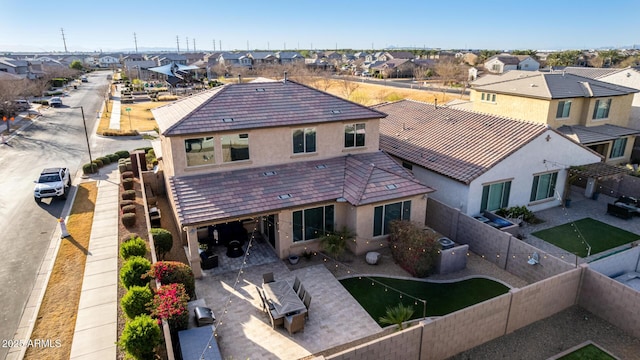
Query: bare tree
[450,72]
[348,87]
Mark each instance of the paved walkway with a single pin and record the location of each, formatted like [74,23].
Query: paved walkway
[97,322]
[114,123]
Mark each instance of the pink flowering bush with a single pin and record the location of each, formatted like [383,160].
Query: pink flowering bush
[170,303]
[412,248]
[172,272]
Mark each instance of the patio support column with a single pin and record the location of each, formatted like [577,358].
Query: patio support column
[193,253]
[590,188]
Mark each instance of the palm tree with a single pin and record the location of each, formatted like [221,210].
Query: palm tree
[397,315]
[335,244]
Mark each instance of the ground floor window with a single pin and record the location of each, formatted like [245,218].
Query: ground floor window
[495,196]
[312,223]
[617,150]
[383,215]
[544,186]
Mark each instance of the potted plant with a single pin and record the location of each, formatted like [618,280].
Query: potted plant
[293,259]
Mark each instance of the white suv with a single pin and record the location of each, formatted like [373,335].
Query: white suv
[55,102]
[53,182]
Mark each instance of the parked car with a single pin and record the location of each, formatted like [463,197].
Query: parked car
[366,73]
[84,79]
[22,105]
[55,102]
[53,182]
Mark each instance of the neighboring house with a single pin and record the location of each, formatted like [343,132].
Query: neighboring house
[288,57]
[281,155]
[629,77]
[478,162]
[234,59]
[263,58]
[108,61]
[395,68]
[593,112]
[141,68]
[167,59]
[401,55]
[502,63]
[13,66]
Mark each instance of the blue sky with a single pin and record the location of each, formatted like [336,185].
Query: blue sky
[278,24]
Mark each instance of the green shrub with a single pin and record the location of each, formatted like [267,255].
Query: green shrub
[127,184]
[174,272]
[335,244]
[129,209]
[124,203]
[136,301]
[105,160]
[113,157]
[129,195]
[128,219]
[133,247]
[140,337]
[129,236]
[122,168]
[98,163]
[163,241]
[133,272]
[127,175]
[122,154]
[397,315]
[89,168]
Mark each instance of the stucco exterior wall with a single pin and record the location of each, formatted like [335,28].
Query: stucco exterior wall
[529,64]
[271,146]
[619,112]
[517,107]
[448,191]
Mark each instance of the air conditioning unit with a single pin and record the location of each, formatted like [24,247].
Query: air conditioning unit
[446,243]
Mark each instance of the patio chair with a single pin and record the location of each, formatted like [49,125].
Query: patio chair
[296,284]
[294,323]
[275,322]
[262,298]
[307,302]
[301,292]
[267,278]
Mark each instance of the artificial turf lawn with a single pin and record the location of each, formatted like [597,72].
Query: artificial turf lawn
[599,235]
[588,352]
[442,298]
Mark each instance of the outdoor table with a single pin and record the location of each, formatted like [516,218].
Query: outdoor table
[283,298]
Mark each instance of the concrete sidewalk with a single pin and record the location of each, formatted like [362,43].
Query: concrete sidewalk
[96,327]
[114,122]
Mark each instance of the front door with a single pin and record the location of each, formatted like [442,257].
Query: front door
[270,229]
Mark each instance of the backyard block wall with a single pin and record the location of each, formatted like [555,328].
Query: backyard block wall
[483,239]
[404,344]
[452,260]
[624,262]
[543,299]
[442,218]
[448,335]
[519,253]
[611,300]
[628,185]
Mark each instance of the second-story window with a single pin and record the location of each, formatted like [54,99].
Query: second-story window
[601,110]
[354,135]
[304,140]
[235,147]
[488,97]
[199,151]
[564,108]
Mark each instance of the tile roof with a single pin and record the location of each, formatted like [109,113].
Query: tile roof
[592,73]
[361,179]
[458,144]
[548,85]
[256,105]
[594,134]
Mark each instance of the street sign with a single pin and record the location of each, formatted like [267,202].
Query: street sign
[127,109]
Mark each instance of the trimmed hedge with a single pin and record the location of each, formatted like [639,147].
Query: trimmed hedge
[127,175]
[135,302]
[105,160]
[129,209]
[124,203]
[163,241]
[129,236]
[113,157]
[127,184]
[89,168]
[98,163]
[128,219]
[133,247]
[122,154]
[133,271]
[129,195]
[140,337]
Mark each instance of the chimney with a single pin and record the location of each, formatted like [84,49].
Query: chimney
[435,103]
[239,79]
[285,78]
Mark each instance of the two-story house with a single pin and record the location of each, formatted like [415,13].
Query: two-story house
[504,62]
[479,162]
[286,159]
[591,112]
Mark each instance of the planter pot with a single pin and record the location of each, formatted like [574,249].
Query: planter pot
[567,203]
[293,259]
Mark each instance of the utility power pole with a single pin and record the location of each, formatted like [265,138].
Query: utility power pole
[220,41]
[187,44]
[194,44]
[178,42]
[64,40]
[214,45]
[135,40]
[247,45]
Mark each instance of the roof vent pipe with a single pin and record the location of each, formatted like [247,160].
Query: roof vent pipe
[435,103]
[285,78]
[239,79]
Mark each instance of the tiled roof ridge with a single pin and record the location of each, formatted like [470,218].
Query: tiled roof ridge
[216,91]
[511,79]
[592,82]
[371,167]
